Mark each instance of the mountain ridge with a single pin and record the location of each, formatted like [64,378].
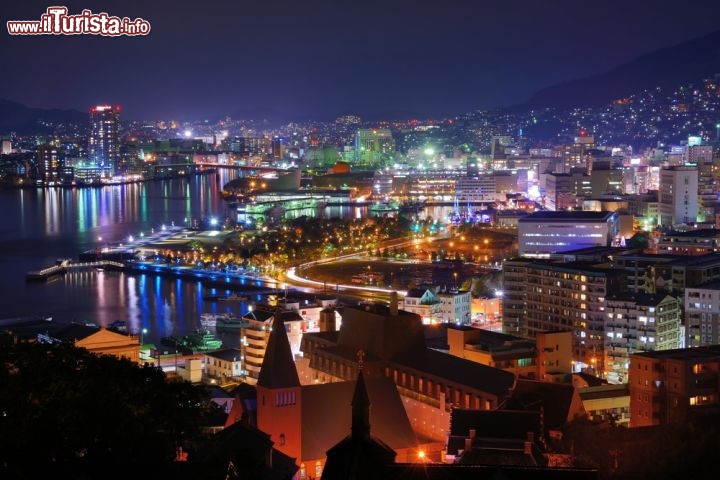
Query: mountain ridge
[667,67]
[20,118]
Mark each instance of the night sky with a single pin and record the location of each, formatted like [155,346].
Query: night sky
[320,58]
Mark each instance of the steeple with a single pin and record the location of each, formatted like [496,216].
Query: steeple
[278,368]
[359,455]
[360,405]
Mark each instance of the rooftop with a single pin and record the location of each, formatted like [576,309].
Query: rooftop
[697,353]
[566,216]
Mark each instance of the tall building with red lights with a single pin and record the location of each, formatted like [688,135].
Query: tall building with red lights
[104,138]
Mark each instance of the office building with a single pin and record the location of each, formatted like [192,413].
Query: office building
[104,138]
[543,296]
[678,196]
[49,163]
[566,190]
[373,146]
[543,234]
[638,322]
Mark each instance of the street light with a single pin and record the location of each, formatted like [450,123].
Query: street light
[142,336]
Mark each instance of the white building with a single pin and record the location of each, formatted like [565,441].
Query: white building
[542,234]
[310,311]
[424,302]
[226,363]
[638,322]
[455,306]
[678,196]
[702,315]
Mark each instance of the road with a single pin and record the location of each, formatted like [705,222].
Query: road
[295,280]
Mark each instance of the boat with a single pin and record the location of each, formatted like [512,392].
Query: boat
[202,340]
[210,319]
[118,326]
[386,207]
[233,297]
[231,322]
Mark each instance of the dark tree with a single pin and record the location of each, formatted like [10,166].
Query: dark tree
[67,409]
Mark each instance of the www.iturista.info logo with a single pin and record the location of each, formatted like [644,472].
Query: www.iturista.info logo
[56,21]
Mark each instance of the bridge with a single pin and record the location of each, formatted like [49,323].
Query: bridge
[65,265]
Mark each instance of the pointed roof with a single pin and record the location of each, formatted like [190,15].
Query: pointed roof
[359,455]
[278,368]
[360,409]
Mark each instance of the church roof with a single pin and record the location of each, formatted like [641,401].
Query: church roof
[278,368]
[461,371]
[327,415]
[490,424]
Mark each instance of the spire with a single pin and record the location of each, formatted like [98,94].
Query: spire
[278,368]
[360,405]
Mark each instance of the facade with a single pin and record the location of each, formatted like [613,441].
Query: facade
[425,303]
[545,358]
[224,364]
[456,306]
[99,341]
[544,296]
[702,315]
[678,196]
[104,138]
[671,386]
[639,322]
[693,242]
[543,234]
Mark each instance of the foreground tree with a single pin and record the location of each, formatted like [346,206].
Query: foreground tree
[64,408]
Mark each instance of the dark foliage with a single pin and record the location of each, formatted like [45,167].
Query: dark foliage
[65,409]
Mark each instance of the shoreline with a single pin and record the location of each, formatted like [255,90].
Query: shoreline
[30,185]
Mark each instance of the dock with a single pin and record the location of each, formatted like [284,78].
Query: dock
[66,265]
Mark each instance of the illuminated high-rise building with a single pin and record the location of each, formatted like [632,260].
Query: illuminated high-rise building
[49,163]
[104,138]
[373,145]
[678,195]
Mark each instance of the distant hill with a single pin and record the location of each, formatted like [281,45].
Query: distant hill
[20,118]
[667,68]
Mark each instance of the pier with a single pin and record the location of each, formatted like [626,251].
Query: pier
[66,265]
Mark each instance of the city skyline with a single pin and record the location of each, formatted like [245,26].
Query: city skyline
[322,59]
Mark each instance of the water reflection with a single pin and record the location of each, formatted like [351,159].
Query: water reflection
[43,225]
